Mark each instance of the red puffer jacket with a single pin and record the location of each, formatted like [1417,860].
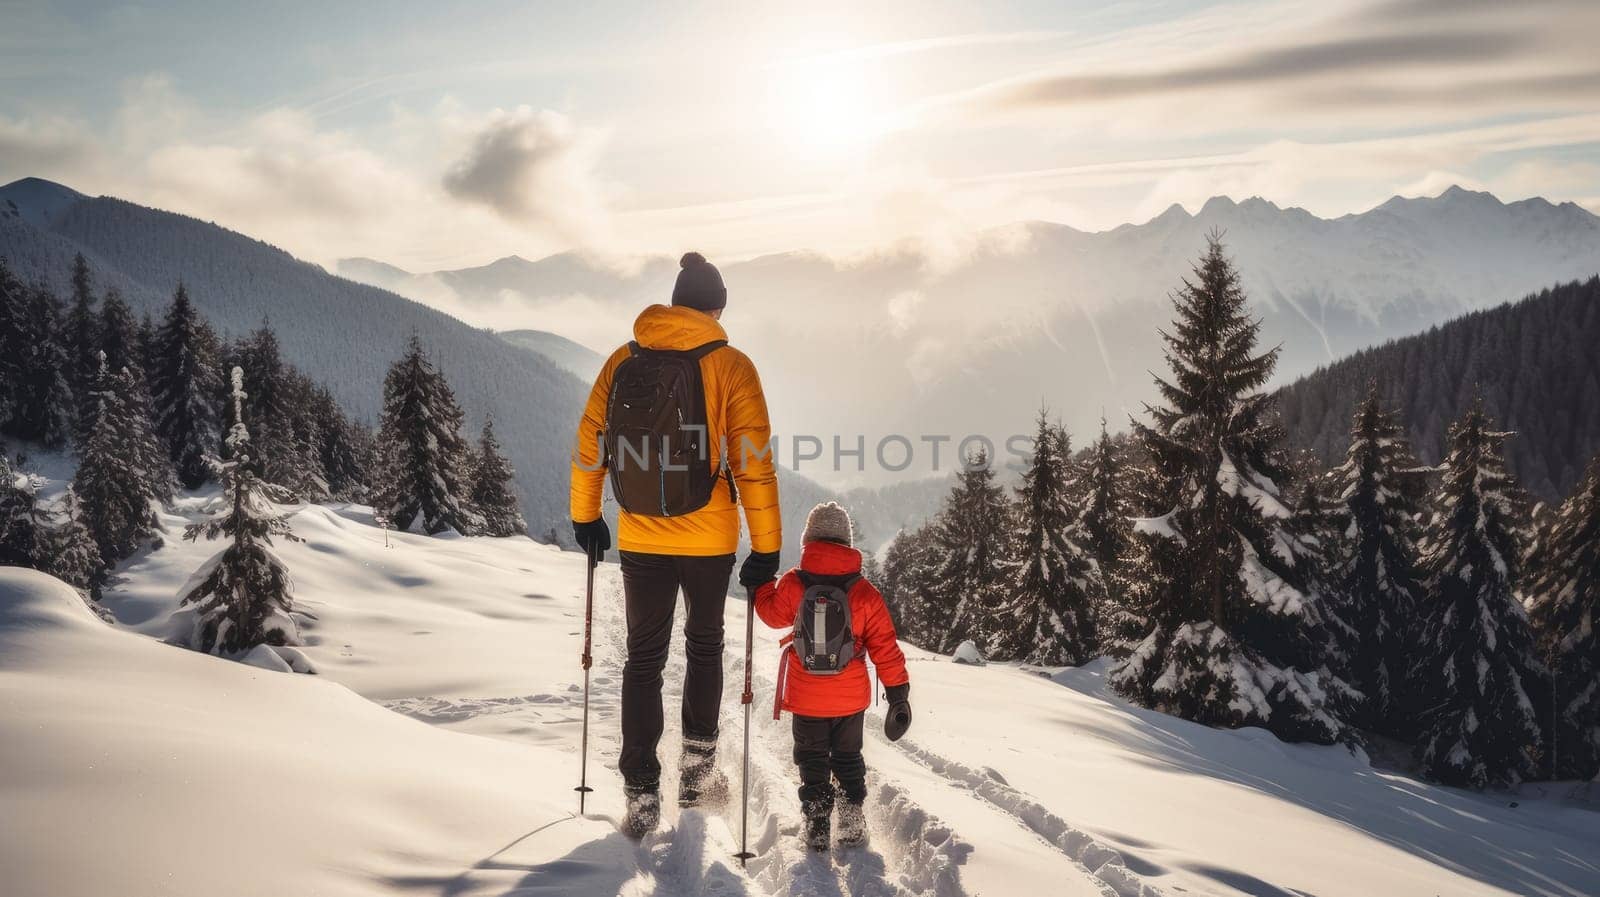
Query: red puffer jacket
[850,691]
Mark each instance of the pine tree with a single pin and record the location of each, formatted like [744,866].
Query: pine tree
[344,448]
[43,411]
[184,384]
[1564,603]
[242,595]
[1106,533]
[1055,584]
[1375,564]
[1237,636]
[11,342]
[119,337]
[1475,663]
[82,337]
[19,530]
[910,565]
[115,488]
[971,537]
[70,552]
[283,450]
[492,496]
[424,458]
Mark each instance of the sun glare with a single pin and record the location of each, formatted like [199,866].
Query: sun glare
[825,107]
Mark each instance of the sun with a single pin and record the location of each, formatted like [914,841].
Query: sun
[825,107]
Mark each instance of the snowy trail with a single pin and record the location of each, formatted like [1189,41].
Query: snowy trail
[931,833]
[912,850]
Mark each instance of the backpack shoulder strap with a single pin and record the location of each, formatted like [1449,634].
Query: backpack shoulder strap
[633,347]
[701,351]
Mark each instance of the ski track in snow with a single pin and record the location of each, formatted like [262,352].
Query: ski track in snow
[1104,863]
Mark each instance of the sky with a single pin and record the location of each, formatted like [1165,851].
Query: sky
[434,135]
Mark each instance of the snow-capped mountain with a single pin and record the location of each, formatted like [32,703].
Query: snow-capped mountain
[1042,312]
[341,333]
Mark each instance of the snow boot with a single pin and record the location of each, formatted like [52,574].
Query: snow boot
[816,803]
[643,812]
[700,782]
[852,823]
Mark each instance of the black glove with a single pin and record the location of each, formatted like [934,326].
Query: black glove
[759,567]
[898,719]
[593,537]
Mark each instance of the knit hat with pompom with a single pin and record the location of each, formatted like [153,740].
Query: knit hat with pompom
[699,284]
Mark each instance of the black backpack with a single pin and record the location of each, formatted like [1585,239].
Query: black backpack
[656,439]
[824,636]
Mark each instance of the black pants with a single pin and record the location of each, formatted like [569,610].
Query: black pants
[650,583]
[825,745]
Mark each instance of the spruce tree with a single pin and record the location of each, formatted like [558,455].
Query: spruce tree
[242,595]
[1378,493]
[910,567]
[424,458]
[971,535]
[343,449]
[82,338]
[12,337]
[1048,616]
[184,384]
[116,490]
[19,529]
[44,408]
[1475,665]
[119,337]
[493,496]
[283,451]
[1564,603]
[1106,531]
[69,549]
[1237,636]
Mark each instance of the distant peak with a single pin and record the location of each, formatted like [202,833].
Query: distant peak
[1217,204]
[39,201]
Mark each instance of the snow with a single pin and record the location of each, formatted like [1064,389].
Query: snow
[436,749]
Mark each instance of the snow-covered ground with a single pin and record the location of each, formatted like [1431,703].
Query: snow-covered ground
[437,750]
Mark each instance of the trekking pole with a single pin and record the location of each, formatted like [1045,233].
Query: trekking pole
[747,699]
[583,788]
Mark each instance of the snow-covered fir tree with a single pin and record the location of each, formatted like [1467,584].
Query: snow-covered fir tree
[11,335]
[1106,531]
[119,336]
[68,550]
[492,493]
[43,411]
[118,493]
[19,530]
[184,385]
[82,337]
[971,534]
[242,596]
[1564,602]
[1475,665]
[1377,494]
[1236,635]
[423,472]
[1048,613]
[909,580]
[344,448]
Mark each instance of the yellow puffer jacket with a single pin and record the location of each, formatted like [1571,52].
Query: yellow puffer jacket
[735,409]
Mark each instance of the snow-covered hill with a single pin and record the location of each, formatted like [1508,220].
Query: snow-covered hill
[138,768]
[903,343]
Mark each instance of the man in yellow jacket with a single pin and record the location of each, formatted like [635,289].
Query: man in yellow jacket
[694,551]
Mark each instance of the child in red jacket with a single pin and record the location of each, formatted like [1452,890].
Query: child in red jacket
[829,709]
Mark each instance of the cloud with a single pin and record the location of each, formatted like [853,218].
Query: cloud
[1448,58]
[42,146]
[532,167]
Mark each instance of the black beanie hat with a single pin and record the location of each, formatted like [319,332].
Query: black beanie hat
[699,284]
